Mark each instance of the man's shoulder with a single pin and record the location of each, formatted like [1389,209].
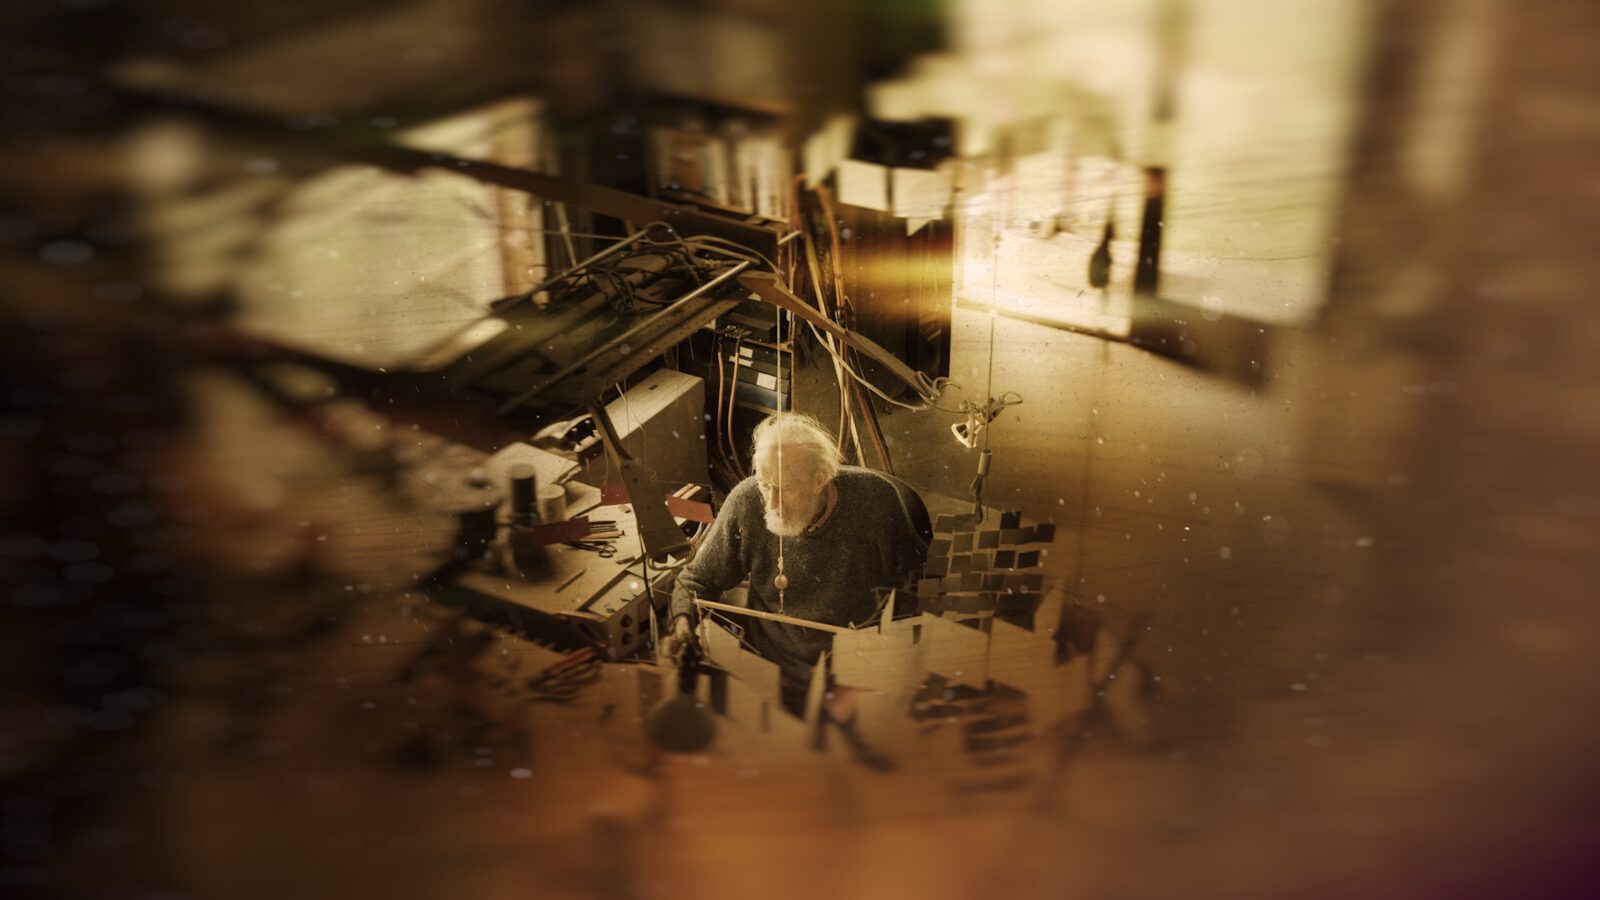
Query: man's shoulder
[743,496]
[864,478]
[878,501]
[856,481]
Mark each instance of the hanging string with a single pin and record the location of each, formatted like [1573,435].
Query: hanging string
[733,396]
[984,455]
[794,386]
[781,580]
[983,418]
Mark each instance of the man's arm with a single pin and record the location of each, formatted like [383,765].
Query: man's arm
[719,564]
[907,550]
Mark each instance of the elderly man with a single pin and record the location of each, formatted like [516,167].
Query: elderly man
[837,532]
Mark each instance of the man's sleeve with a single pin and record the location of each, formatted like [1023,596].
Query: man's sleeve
[914,553]
[914,550]
[718,565]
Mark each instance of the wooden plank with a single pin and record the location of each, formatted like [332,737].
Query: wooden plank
[773,617]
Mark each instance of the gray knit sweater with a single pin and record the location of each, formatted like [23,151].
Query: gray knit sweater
[867,542]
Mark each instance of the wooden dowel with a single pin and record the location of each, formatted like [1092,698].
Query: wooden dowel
[775,617]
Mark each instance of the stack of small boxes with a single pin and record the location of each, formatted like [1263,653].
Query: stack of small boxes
[976,572]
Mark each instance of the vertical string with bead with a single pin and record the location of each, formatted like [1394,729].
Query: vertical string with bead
[781,580]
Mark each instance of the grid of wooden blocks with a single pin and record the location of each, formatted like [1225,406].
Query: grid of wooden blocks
[979,571]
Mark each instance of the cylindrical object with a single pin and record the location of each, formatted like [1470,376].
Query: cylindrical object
[682,724]
[475,525]
[523,510]
[552,503]
[527,554]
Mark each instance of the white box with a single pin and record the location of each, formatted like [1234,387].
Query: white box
[661,423]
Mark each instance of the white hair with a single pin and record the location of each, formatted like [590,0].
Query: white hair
[798,431]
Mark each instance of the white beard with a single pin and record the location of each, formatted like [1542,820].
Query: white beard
[784,529]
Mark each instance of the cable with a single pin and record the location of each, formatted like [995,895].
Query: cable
[985,456]
[617,271]
[814,269]
[688,251]
[729,248]
[925,385]
[781,580]
[722,428]
[716,425]
[627,415]
[844,408]
[777,354]
[733,396]
[848,395]
[875,431]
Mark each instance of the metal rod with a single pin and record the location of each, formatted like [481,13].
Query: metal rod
[357,146]
[623,338]
[554,279]
[775,617]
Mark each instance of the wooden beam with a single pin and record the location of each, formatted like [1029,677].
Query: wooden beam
[765,285]
[351,145]
[772,617]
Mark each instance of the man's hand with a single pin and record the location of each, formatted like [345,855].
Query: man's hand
[678,636]
[840,703]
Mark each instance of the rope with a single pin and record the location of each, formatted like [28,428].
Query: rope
[718,349]
[781,581]
[733,395]
[984,455]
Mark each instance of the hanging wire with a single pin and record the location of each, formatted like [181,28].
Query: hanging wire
[846,427]
[925,385]
[733,396]
[713,244]
[984,454]
[716,424]
[782,579]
